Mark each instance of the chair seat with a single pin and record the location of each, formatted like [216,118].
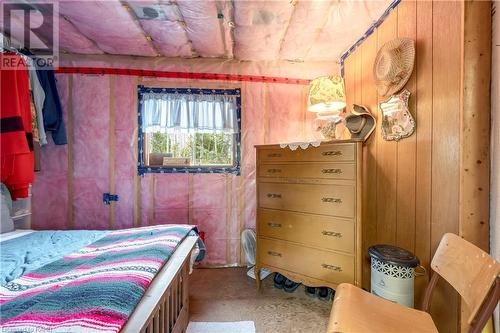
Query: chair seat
[355,310]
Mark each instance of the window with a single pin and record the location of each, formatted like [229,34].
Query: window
[189,130]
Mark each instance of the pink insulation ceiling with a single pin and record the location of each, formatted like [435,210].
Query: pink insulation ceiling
[296,30]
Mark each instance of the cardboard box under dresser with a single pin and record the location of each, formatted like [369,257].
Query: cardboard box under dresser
[309,212]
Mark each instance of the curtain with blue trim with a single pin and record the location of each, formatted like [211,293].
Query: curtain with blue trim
[189,113]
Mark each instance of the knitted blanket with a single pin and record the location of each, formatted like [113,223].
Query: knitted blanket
[94,289]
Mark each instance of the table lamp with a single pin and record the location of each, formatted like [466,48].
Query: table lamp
[327,99]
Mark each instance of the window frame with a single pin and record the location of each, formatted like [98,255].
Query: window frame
[143,169]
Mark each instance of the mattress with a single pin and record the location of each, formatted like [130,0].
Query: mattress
[14,234]
[24,251]
[92,289]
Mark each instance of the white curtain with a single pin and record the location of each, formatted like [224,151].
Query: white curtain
[171,112]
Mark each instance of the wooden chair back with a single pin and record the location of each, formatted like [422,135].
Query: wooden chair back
[471,272]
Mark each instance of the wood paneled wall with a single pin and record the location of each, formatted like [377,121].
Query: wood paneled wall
[435,181]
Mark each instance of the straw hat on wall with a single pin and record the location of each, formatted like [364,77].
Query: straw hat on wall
[393,65]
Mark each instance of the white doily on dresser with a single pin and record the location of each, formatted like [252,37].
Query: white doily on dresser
[303,145]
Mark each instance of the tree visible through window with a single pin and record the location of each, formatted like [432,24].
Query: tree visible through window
[189,130]
[200,148]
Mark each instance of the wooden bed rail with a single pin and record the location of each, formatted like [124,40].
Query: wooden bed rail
[164,308]
[171,315]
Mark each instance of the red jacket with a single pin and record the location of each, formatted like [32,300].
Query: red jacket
[16,139]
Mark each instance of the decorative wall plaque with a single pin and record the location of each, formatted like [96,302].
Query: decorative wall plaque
[397,121]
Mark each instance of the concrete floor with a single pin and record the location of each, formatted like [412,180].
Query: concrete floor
[227,294]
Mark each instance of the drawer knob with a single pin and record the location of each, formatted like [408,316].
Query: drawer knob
[274,170]
[274,254]
[274,195]
[274,155]
[332,267]
[335,171]
[332,153]
[332,200]
[274,225]
[331,233]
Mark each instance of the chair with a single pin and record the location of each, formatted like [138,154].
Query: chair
[469,270]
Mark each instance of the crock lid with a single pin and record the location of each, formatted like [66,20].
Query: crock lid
[393,255]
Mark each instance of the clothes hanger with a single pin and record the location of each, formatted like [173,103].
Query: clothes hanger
[7,47]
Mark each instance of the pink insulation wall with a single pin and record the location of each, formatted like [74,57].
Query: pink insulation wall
[101,117]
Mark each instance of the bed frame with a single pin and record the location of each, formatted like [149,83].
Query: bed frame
[164,308]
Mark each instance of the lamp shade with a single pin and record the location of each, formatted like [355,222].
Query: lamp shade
[326,94]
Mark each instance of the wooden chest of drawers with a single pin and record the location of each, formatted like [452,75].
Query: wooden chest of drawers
[309,212]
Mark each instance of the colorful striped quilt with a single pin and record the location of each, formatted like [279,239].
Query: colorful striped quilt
[92,290]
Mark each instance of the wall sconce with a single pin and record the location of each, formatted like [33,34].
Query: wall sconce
[327,99]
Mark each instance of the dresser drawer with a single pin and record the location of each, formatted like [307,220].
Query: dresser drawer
[314,230]
[335,200]
[309,170]
[342,152]
[323,265]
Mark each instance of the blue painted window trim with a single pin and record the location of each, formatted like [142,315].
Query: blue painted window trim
[367,34]
[142,169]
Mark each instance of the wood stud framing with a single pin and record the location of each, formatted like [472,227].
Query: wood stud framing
[229,215]
[112,149]
[137,179]
[71,138]
[135,19]
[62,17]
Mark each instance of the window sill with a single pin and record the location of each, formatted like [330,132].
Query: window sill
[188,169]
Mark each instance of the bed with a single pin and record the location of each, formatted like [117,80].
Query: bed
[132,280]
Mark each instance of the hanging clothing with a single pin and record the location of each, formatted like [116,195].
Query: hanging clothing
[38,96]
[34,128]
[52,109]
[34,121]
[16,138]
